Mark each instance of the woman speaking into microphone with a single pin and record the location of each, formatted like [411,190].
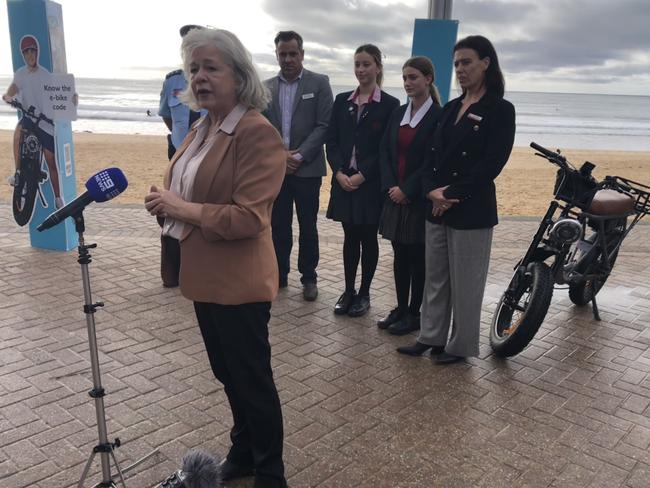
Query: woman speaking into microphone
[217,200]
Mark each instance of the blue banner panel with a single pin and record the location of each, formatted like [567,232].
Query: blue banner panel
[435,39]
[45,149]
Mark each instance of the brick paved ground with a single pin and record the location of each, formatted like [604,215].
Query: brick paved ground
[572,411]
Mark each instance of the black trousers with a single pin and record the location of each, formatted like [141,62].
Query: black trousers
[170,260]
[305,192]
[408,269]
[236,339]
[171,150]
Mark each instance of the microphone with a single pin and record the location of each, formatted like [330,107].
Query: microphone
[200,470]
[102,186]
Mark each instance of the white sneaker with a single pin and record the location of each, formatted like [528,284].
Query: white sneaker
[58,202]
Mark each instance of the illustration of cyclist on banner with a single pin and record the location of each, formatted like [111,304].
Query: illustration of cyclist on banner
[34,134]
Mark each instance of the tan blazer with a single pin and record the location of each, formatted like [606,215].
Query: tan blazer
[229,259]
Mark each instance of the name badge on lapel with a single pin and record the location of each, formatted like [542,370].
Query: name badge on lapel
[476,118]
[307,96]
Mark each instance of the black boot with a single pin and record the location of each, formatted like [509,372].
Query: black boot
[416,349]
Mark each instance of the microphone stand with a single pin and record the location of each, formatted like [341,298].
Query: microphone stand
[104,448]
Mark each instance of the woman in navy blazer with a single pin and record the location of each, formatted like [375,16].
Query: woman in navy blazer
[470,146]
[402,221]
[358,122]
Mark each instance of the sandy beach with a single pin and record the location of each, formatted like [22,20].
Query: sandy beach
[524,187]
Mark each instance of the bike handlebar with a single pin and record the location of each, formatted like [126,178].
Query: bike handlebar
[552,156]
[30,112]
[542,149]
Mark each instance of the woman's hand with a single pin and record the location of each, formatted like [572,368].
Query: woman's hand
[440,203]
[345,181]
[164,203]
[397,195]
[357,179]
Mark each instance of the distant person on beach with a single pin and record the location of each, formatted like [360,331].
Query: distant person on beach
[217,198]
[401,160]
[178,118]
[300,110]
[470,147]
[358,121]
[27,87]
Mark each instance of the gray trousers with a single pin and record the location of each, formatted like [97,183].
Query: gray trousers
[456,265]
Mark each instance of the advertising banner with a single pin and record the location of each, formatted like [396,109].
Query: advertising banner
[435,39]
[44,96]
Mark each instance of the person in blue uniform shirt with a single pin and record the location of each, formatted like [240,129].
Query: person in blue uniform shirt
[178,118]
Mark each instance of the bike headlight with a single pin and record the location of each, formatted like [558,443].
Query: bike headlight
[566,231]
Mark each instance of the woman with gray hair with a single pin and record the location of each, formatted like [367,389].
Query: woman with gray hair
[216,200]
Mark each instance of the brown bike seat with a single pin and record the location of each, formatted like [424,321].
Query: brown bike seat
[611,202]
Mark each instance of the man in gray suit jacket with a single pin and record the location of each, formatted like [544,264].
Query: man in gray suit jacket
[300,110]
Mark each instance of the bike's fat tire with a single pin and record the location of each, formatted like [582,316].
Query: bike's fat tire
[24,207]
[540,287]
[580,293]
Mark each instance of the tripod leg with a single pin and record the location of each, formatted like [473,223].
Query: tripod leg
[117,466]
[86,469]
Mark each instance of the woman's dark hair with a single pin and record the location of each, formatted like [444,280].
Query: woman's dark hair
[376,55]
[494,82]
[425,66]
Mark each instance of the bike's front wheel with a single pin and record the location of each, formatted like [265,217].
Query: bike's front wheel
[521,310]
[26,186]
[24,198]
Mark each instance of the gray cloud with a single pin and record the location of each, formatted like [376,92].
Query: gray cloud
[592,42]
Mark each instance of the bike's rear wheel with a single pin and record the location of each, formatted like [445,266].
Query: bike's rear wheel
[519,316]
[26,187]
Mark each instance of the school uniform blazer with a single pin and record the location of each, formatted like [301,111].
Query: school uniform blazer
[470,161]
[363,205]
[312,107]
[229,258]
[388,157]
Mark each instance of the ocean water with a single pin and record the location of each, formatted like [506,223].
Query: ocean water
[557,120]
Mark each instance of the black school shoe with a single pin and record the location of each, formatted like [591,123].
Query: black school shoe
[405,326]
[345,300]
[394,316]
[360,306]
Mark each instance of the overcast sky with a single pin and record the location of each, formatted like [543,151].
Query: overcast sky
[594,46]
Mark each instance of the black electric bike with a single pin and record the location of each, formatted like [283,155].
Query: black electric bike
[31,176]
[576,244]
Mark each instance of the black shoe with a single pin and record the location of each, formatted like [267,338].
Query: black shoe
[309,291]
[360,305]
[436,350]
[283,282]
[446,358]
[416,349]
[266,482]
[406,325]
[343,304]
[395,315]
[231,471]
